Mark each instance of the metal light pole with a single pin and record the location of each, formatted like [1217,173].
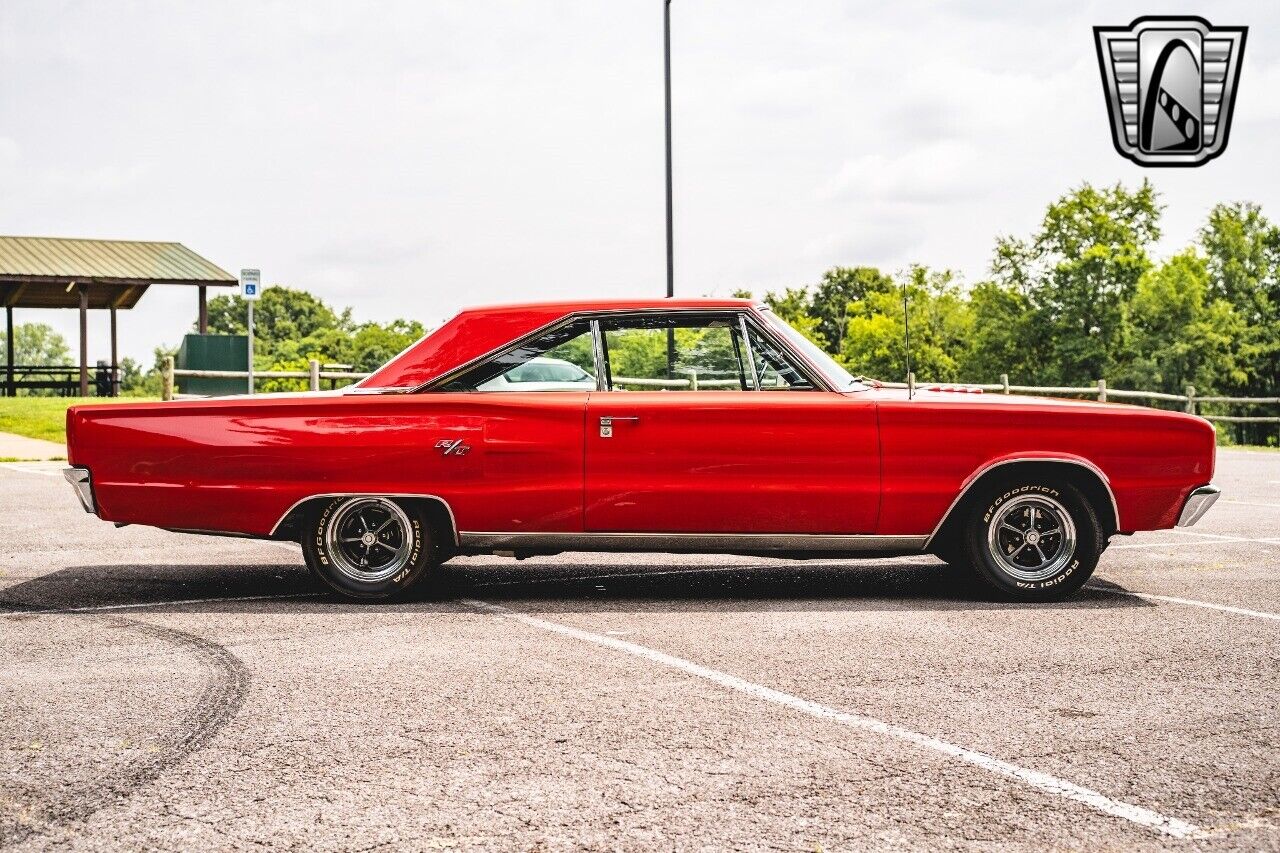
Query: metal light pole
[666,53]
[671,257]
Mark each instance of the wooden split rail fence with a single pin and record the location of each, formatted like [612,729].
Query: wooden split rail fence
[1190,401]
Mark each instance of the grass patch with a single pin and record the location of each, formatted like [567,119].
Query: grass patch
[46,417]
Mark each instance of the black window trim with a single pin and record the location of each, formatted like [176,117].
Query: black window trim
[746,315]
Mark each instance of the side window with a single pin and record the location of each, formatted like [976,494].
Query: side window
[561,360]
[775,368]
[675,353]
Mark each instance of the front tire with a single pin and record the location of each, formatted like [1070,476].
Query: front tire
[368,548]
[1032,540]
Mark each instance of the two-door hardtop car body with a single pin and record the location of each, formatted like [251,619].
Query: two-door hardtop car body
[691,425]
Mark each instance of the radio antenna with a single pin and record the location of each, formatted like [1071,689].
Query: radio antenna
[906,333]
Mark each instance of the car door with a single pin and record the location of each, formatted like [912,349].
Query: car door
[507,444]
[687,438]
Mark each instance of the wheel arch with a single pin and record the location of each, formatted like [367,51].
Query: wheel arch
[288,527]
[1081,473]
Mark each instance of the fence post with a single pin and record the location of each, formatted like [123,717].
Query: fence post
[1004,380]
[166,380]
[911,385]
[314,368]
[1102,390]
[1191,399]
[693,380]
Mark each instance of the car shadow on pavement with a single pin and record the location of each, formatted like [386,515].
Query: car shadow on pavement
[625,584]
[771,585]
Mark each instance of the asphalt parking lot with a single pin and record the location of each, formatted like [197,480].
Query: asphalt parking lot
[182,692]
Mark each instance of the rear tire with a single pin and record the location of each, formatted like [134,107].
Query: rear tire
[369,548]
[1032,539]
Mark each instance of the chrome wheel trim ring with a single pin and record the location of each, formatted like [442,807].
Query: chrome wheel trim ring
[369,539]
[1031,537]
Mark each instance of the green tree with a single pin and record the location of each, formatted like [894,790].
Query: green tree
[373,345]
[1004,336]
[281,314]
[1243,261]
[37,344]
[941,329]
[1182,334]
[839,287]
[795,305]
[1079,271]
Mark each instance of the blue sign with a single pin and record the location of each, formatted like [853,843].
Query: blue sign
[250,283]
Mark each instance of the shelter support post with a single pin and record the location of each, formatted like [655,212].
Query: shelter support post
[84,341]
[115,357]
[8,368]
[203,321]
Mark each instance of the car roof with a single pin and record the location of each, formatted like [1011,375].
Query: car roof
[476,332]
[577,306]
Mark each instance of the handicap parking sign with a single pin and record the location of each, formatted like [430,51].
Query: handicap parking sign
[250,283]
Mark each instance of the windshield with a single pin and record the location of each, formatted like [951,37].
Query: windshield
[842,379]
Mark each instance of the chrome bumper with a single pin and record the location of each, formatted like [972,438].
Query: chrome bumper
[79,480]
[1198,503]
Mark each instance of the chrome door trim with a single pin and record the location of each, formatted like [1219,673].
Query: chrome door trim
[800,361]
[977,474]
[453,522]
[692,542]
[748,352]
[597,347]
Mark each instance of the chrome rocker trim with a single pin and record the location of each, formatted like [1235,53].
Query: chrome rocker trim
[1198,503]
[80,481]
[692,543]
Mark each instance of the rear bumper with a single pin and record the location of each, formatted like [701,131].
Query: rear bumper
[80,481]
[1197,504]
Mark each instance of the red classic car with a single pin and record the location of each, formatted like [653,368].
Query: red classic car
[691,425]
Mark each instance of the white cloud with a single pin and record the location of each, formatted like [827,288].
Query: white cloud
[937,172]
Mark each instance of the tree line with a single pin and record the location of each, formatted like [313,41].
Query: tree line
[1079,299]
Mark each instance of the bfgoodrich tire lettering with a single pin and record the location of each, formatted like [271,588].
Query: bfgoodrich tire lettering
[368,547]
[1032,540]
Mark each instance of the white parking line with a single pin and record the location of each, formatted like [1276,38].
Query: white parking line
[46,472]
[1033,778]
[1224,537]
[1189,542]
[1251,503]
[1189,602]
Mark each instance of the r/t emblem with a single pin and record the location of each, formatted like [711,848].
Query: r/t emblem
[458,447]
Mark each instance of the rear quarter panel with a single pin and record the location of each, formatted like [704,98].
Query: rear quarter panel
[236,465]
[932,448]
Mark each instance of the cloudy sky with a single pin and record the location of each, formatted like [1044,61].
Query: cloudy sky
[411,158]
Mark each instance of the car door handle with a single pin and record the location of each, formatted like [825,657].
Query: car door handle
[606,423]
